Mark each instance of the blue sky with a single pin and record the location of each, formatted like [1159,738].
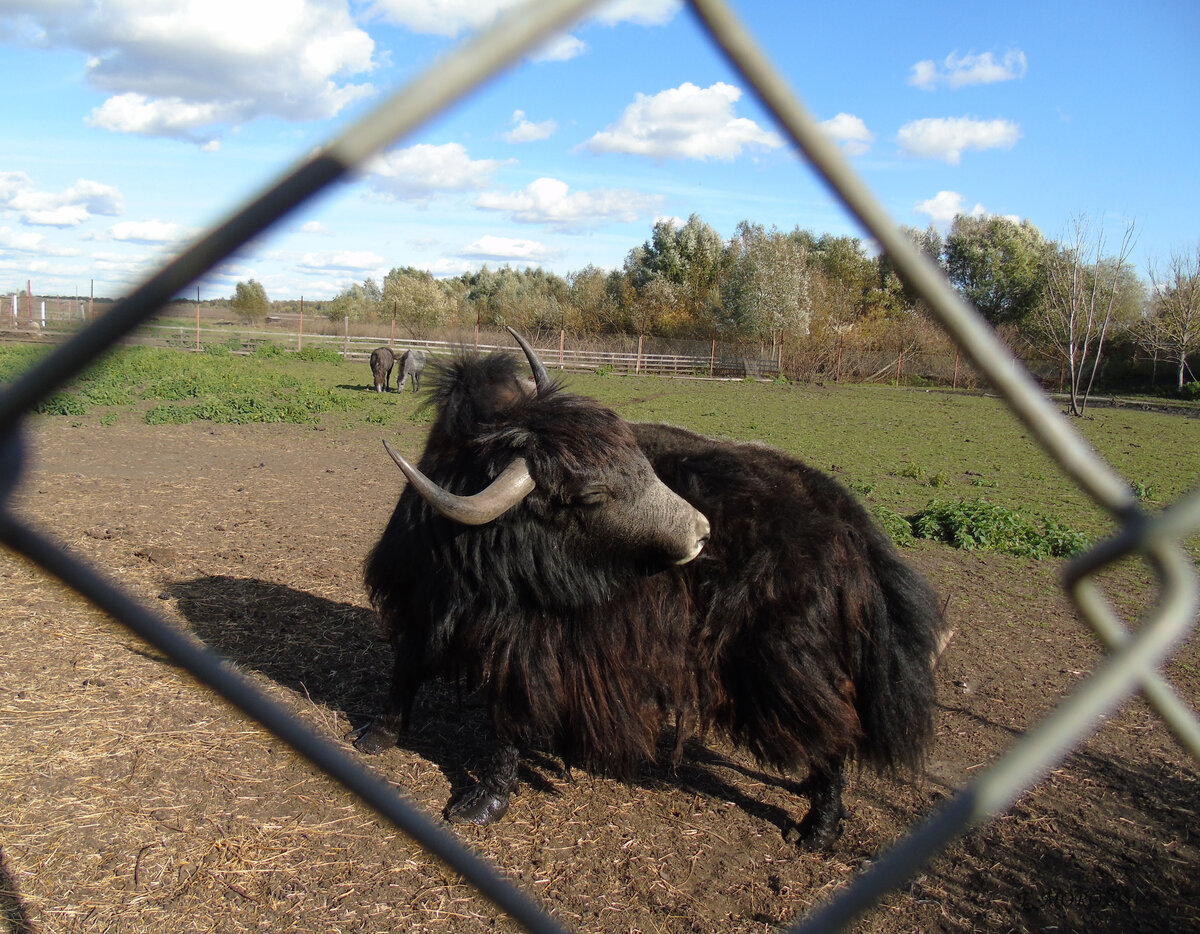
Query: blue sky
[130,125]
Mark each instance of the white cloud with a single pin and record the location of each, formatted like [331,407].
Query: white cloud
[180,69]
[943,207]
[850,132]
[148,231]
[69,208]
[946,138]
[559,49]
[525,131]
[641,12]
[136,113]
[509,248]
[687,122]
[450,18]
[315,227]
[549,201]
[422,171]
[18,241]
[960,71]
[342,261]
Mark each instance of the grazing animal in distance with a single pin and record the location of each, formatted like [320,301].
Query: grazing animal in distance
[412,365]
[382,361]
[593,579]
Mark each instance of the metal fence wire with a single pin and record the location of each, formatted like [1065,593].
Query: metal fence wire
[1133,660]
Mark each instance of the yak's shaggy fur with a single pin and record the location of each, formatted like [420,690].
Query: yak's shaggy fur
[798,631]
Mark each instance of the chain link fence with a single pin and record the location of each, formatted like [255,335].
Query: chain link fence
[1134,658]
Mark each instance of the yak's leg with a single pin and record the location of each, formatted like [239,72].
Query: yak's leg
[486,801]
[822,825]
[384,731]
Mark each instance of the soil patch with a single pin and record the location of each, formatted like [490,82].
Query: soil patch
[135,801]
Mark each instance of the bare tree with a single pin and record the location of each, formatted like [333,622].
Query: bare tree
[1173,325]
[1082,291]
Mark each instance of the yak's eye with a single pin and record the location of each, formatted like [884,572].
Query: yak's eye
[593,494]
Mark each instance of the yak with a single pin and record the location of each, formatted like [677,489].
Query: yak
[593,580]
[382,361]
[412,365]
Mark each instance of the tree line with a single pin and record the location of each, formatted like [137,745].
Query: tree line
[1068,300]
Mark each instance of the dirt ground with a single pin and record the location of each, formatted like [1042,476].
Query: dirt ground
[131,800]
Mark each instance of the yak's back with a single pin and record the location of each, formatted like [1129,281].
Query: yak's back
[797,569]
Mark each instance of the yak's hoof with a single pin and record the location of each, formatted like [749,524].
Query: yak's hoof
[375,738]
[477,806]
[816,835]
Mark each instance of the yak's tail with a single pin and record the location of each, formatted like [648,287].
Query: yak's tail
[897,654]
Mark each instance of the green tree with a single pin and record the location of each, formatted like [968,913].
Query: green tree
[250,300]
[1172,326]
[929,241]
[414,297]
[998,265]
[592,306]
[688,261]
[352,303]
[766,289]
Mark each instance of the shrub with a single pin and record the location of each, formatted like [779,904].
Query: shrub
[318,353]
[62,403]
[897,527]
[980,525]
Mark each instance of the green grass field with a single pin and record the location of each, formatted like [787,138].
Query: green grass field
[930,456]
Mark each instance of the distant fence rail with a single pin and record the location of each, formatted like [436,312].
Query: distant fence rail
[717,364]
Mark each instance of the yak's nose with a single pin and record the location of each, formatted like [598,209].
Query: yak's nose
[703,533]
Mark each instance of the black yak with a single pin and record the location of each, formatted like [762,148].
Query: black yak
[412,365]
[592,579]
[382,361]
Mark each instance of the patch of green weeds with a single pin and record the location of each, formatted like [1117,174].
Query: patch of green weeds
[319,353]
[980,525]
[1144,492]
[897,527]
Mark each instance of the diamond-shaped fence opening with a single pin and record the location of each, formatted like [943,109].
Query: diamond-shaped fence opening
[1133,661]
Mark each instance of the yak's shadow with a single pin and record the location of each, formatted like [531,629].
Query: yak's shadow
[334,654]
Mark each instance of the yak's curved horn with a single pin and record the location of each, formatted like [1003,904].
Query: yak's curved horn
[541,378]
[508,489]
